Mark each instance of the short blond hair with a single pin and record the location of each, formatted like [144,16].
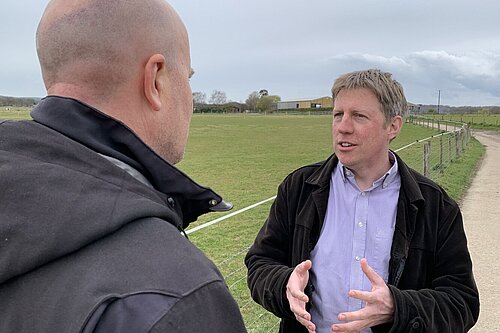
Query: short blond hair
[388,91]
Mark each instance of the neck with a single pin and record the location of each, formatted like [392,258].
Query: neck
[119,105]
[367,176]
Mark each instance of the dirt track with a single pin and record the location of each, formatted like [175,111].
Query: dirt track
[481,211]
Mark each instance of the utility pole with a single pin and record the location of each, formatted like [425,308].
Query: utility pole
[439,99]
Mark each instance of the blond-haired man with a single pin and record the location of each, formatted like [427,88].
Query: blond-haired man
[361,242]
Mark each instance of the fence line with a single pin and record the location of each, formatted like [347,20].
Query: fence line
[450,145]
[222,218]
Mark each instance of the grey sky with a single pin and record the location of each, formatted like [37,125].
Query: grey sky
[296,49]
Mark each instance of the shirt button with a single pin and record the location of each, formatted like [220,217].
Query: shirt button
[360,224]
[363,193]
[358,258]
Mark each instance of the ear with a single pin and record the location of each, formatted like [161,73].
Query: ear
[153,85]
[394,127]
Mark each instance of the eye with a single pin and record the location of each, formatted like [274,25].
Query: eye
[337,114]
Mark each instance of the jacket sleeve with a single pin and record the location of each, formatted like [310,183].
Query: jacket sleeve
[268,260]
[450,304]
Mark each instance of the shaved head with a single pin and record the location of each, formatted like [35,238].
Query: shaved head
[98,45]
[128,58]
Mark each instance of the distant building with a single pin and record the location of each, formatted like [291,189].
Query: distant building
[428,108]
[322,102]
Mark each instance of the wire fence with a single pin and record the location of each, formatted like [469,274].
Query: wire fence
[429,156]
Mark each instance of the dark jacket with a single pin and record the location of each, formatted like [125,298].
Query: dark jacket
[430,271]
[86,247]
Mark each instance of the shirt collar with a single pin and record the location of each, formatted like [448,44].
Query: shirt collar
[348,176]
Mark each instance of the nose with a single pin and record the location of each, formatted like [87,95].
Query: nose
[343,125]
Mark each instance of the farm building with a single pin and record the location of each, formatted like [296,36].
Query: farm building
[322,102]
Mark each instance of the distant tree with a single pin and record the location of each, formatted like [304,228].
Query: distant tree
[263,92]
[218,97]
[268,102]
[252,100]
[18,101]
[199,98]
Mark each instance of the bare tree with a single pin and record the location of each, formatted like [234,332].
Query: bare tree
[199,98]
[218,97]
[252,100]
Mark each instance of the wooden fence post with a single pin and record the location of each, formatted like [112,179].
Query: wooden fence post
[441,165]
[450,157]
[427,150]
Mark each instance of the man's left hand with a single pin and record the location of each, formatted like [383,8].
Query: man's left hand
[379,306]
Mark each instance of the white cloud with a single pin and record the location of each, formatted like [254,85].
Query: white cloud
[289,47]
[467,78]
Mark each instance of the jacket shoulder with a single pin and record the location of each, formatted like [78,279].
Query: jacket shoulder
[311,172]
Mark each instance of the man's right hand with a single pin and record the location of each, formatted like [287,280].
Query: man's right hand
[296,296]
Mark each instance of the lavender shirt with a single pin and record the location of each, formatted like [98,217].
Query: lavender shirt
[358,224]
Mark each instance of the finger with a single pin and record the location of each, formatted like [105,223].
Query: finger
[297,294]
[353,316]
[375,279]
[299,310]
[304,266]
[366,296]
[355,326]
[306,323]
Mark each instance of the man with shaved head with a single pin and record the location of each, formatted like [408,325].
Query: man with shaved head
[93,209]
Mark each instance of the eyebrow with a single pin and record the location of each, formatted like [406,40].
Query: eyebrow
[191,73]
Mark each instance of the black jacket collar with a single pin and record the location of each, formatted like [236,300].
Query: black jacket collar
[321,177]
[108,136]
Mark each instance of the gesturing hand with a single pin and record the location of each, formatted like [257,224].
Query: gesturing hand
[379,305]
[296,296]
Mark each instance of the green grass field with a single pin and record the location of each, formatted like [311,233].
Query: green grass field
[479,121]
[14,113]
[245,158]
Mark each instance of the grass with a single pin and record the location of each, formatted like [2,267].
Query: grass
[14,113]
[460,172]
[478,121]
[245,158]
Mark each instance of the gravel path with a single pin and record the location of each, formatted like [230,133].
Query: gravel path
[481,212]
